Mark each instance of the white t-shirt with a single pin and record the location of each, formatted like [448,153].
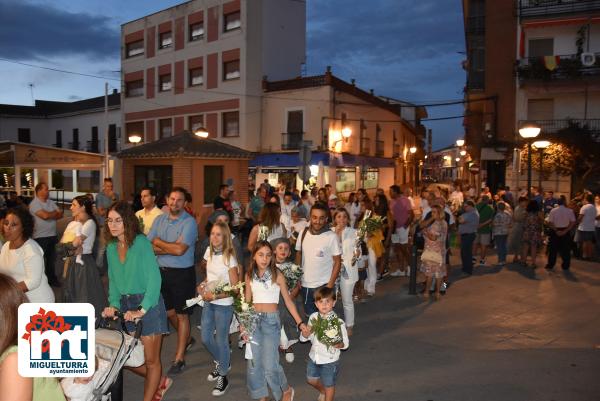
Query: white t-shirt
[317,257]
[87,229]
[26,264]
[217,271]
[588,222]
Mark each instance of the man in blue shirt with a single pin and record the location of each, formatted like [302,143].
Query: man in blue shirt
[173,236]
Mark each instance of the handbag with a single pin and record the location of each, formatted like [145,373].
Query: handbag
[431,257]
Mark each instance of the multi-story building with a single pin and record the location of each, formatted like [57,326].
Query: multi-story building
[201,63]
[527,61]
[70,128]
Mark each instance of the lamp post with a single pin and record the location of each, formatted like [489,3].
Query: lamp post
[541,145]
[529,132]
[413,150]
[135,139]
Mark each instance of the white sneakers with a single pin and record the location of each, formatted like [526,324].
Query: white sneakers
[400,273]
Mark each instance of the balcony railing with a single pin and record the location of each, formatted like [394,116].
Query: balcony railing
[74,145]
[92,146]
[379,148]
[553,126]
[291,140]
[475,25]
[556,68]
[538,8]
[365,146]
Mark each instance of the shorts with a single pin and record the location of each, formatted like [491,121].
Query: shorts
[586,235]
[400,236]
[362,274]
[155,319]
[178,285]
[483,238]
[327,372]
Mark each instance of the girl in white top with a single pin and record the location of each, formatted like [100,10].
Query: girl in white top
[269,226]
[349,272]
[22,258]
[221,268]
[264,285]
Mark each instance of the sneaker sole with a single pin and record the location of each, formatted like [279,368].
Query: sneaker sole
[220,393]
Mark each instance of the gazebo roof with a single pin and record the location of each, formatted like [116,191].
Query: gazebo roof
[185,144]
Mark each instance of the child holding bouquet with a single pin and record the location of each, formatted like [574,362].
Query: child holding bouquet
[292,273]
[221,268]
[264,285]
[328,336]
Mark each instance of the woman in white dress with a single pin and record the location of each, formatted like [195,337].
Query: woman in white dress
[22,258]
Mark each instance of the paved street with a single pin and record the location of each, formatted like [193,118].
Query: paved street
[498,335]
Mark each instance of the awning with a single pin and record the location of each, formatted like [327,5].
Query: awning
[328,159]
[349,160]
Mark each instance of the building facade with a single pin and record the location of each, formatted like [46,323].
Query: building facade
[201,63]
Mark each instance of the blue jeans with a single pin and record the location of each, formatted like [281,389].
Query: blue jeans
[217,317]
[309,300]
[264,371]
[466,252]
[327,372]
[501,241]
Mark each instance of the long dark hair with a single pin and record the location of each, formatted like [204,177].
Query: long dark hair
[11,297]
[88,205]
[26,220]
[130,222]
[254,268]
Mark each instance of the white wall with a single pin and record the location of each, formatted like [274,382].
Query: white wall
[564,38]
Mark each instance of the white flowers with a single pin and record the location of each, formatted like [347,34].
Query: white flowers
[245,306]
[263,232]
[331,333]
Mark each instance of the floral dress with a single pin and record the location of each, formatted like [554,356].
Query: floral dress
[532,232]
[439,228]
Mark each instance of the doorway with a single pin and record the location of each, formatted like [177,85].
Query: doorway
[496,174]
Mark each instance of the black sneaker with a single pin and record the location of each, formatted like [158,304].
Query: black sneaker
[191,344]
[176,368]
[214,375]
[221,386]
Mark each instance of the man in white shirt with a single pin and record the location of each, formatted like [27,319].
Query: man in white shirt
[587,226]
[561,220]
[287,204]
[45,213]
[150,211]
[319,254]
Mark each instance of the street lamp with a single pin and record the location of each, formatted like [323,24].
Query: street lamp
[201,132]
[529,132]
[460,143]
[463,152]
[541,145]
[135,139]
[413,150]
[346,133]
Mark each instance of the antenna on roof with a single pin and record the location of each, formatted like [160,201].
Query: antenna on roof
[31,91]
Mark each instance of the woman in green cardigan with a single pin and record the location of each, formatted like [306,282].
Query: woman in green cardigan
[134,289]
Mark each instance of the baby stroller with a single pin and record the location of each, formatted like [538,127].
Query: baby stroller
[116,347]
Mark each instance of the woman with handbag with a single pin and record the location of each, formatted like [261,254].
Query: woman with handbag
[134,289]
[434,255]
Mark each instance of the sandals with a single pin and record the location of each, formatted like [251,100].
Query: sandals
[163,386]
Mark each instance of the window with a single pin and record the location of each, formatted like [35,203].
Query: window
[165,83]
[158,177]
[134,48]
[541,47]
[196,77]
[213,178]
[93,144]
[112,138]
[196,31]
[165,128]
[295,121]
[370,178]
[88,181]
[134,88]
[231,70]
[165,40]
[62,179]
[232,21]
[196,122]
[75,143]
[136,128]
[24,135]
[58,142]
[345,180]
[231,123]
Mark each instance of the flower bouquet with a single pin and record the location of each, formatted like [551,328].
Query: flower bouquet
[217,288]
[367,226]
[263,232]
[328,330]
[246,316]
[292,273]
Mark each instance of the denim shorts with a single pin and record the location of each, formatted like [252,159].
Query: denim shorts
[327,372]
[155,319]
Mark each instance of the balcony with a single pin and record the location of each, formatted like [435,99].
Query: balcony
[291,140]
[541,8]
[365,146]
[379,148]
[92,146]
[73,145]
[475,25]
[553,126]
[561,68]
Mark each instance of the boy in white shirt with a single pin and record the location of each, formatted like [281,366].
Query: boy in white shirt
[324,361]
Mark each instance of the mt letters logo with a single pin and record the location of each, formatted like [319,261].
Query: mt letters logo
[56,340]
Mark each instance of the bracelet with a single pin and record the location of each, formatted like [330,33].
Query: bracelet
[299,324]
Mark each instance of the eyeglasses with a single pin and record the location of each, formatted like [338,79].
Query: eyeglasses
[115,221]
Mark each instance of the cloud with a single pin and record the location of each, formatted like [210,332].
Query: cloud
[35,31]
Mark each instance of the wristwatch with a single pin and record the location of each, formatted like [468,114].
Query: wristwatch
[142,309]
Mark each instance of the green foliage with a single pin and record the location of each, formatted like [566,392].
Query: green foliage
[327,330]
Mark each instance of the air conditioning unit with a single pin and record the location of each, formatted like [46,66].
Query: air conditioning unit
[588,59]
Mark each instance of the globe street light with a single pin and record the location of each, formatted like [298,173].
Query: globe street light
[346,132]
[528,132]
[460,142]
[201,132]
[135,138]
[413,150]
[541,145]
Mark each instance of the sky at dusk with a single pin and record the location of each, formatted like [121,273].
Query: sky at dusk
[400,48]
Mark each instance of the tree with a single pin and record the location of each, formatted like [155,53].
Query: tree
[575,151]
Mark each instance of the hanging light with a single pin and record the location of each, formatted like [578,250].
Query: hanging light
[201,132]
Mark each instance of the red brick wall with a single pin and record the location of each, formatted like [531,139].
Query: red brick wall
[150,83]
[179,33]
[179,77]
[212,124]
[150,42]
[213,24]
[212,71]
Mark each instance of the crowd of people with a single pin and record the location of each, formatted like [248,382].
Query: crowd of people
[155,261]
